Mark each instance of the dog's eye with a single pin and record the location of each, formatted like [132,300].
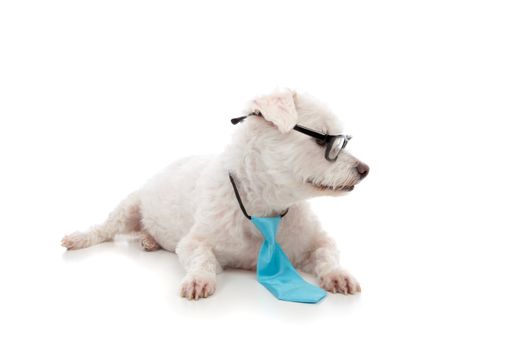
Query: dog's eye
[320,142]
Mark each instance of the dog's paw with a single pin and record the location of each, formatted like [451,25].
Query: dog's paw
[340,281]
[149,243]
[75,240]
[198,285]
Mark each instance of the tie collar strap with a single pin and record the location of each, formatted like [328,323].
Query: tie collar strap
[239,200]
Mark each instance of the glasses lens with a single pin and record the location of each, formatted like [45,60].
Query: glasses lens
[336,147]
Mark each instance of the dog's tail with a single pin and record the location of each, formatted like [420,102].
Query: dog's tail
[126,217]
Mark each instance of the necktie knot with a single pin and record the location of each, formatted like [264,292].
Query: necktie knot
[268,227]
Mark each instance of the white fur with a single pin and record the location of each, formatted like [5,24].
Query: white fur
[190,207]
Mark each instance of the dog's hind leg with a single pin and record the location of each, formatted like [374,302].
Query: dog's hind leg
[124,219]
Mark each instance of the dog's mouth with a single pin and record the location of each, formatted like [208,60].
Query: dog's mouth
[322,187]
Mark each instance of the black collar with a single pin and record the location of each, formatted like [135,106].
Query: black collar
[240,201]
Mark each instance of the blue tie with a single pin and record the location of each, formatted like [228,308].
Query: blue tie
[276,272]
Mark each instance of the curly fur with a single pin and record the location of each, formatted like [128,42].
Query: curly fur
[190,207]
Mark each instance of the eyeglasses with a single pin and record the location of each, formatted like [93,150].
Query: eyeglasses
[334,143]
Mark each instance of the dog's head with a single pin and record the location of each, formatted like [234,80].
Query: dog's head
[276,150]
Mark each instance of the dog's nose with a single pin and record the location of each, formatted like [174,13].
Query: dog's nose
[362,169]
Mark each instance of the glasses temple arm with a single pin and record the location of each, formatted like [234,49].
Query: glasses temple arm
[297,127]
[310,132]
[238,120]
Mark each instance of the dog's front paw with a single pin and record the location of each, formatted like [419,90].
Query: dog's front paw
[340,281]
[198,285]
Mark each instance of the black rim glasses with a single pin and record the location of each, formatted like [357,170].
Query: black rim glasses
[334,143]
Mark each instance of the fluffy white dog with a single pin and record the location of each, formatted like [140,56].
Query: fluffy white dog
[190,208]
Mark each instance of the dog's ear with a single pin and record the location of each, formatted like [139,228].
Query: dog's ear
[277,108]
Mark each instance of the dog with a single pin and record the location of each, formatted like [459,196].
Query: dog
[190,208]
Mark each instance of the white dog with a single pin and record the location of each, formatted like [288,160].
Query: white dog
[190,208]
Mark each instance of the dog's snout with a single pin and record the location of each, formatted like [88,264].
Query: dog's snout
[362,169]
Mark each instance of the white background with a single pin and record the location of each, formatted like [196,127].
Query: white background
[97,96]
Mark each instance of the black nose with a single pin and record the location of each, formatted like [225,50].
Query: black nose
[362,169]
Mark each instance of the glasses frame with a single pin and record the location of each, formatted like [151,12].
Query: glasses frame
[327,140]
